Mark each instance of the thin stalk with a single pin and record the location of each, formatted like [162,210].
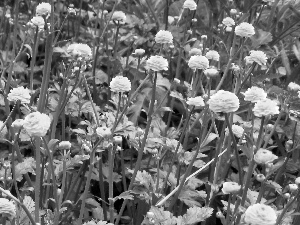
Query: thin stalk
[37,190]
[33,57]
[101,185]
[228,209]
[64,179]
[286,208]
[111,155]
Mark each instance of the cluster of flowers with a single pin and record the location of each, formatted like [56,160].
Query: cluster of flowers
[43,11]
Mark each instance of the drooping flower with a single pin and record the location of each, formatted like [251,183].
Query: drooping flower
[244,29]
[196,101]
[231,187]
[157,63]
[43,9]
[257,56]
[19,93]
[236,130]
[103,132]
[119,16]
[7,208]
[120,84]
[198,62]
[4,131]
[224,101]
[139,52]
[37,21]
[190,4]
[79,50]
[228,22]
[211,72]
[37,124]
[264,156]
[260,214]
[265,107]
[164,37]
[255,94]
[293,86]
[213,55]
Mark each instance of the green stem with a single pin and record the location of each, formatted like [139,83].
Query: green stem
[111,154]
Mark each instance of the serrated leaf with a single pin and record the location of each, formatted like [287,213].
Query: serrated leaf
[261,38]
[197,214]
[124,195]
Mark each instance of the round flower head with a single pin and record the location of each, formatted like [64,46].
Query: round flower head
[190,4]
[198,62]
[212,54]
[244,30]
[293,187]
[120,84]
[19,93]
[103,132]
[164,37]
[293,86]
[37,124]
[228,29]
[79,50]
[196,101]
[265,107]
[228,22]
[157,63]
[139,52]
[236,130]
[211,72]
[119,16]
[4,131]
[7,208]
[64,145]
[264,156]
[231,187]
[233,11]
[260,214]
[43,9]
[37,21]
[195,51]
[257,56]
[255,94]
[224,101]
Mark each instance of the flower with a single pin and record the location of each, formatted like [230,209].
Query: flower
[171,19]
[293,187]
[164,37]
[4,131]
[195,51]
[190,4]
[43,9]
[257,56]
[157,63]
[255,94]
[236,130]
[18,123]
[139,52]
[19,93]
[244,30]
[211,72]
[297,181]
[103,132]
[64,145]
[260,177]
[198,62]
[196,101]
[233,11]
[79,50]
[265,107]
[7,208]
[224,101]
[119,16]
[212,54]
[293,86]
[228,22]
[228,29]
[260,214]
[264,156]
[37,124]
[231,187]
[37,21]
[120,84]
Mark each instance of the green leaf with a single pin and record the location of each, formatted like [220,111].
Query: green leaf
[261,38]
[197,214]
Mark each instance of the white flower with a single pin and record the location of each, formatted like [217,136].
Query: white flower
[260,214]
[103,132]
[265,107]
[190,4]
[139,52]
[120,84]
[198,62]
[264,156]
[119,16]
[4,131]
[43,9]
[196,101]
[228,22]
[233,11]
[18,123]
[293,86]
[37,124]
[236,130]
[64,145]
[212,54]
[79,50]
[228,29]
[195,51]
[257,56]
[171,19]
[19,93]
[224,101]
[297,181]
[7,208]
[37,21]
[157,63]
[255,94]
[293,187]
[231,187]
[211,72]
[164,37]
[244,30]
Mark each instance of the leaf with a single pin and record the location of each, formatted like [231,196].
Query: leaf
[261,38]
[124,195]
[285,60]
[274,185]
[197,214]
[92,202]
[30,205]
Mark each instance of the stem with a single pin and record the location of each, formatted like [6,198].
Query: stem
[38,179]
[33,57]
[101,185]
[111,154]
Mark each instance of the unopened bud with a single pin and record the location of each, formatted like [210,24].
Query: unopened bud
[260,177]
[118,139]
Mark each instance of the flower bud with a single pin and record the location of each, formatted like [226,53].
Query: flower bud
[194,20]
[233,12]
[289,145]
[293,187]
[140,132]
[64,145]
[260,177]
[118,139]
[150,214]
[219,215]
[287,195]
[189,31]
[228,29]
[297,181]
[103,132]
[203,37]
